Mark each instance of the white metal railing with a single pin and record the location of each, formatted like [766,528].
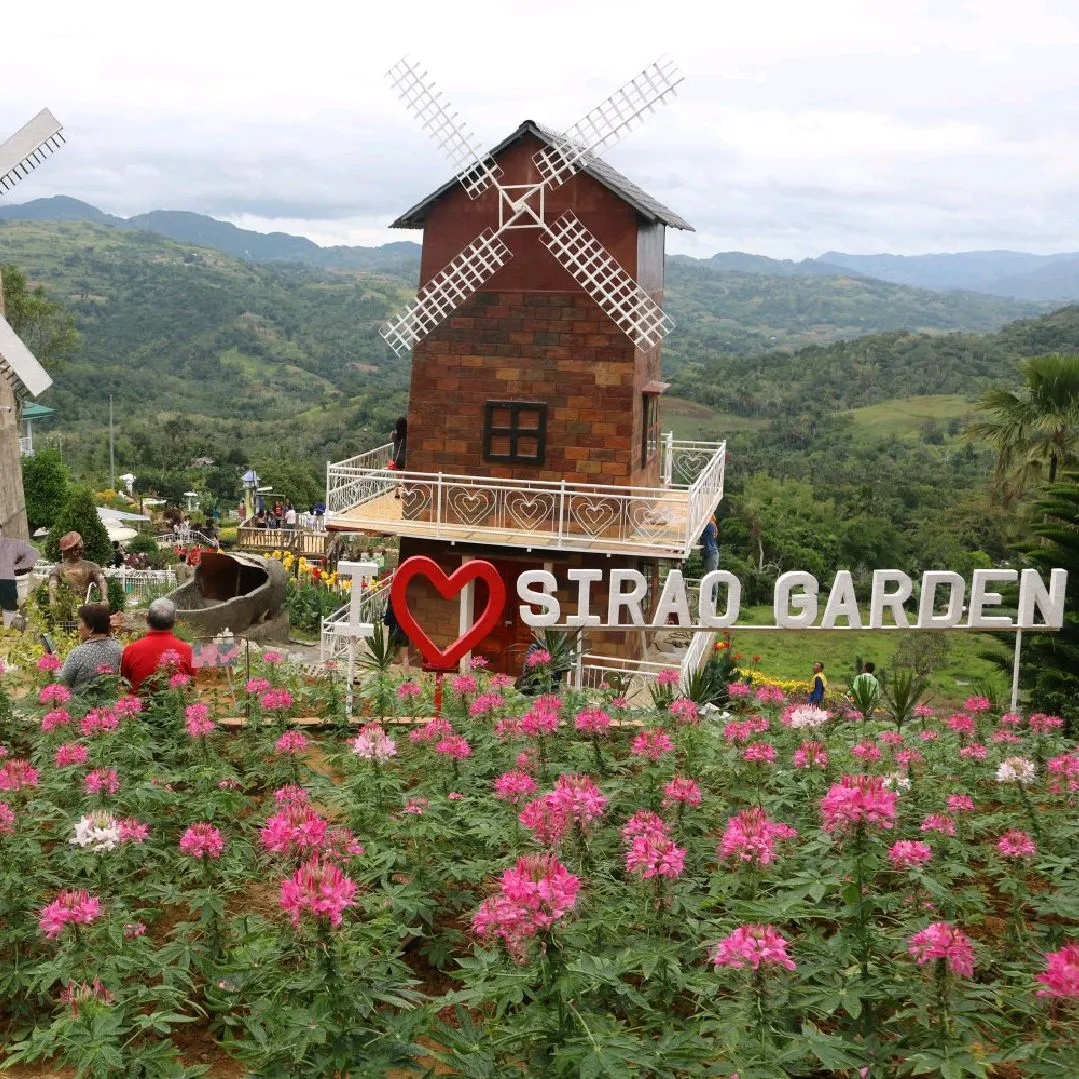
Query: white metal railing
[26,446]
[137,583]
[334,642]
[566,516]
[184,538]
[309,542]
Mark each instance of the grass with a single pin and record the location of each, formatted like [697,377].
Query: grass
[790,654]
[690,420]
[908,416]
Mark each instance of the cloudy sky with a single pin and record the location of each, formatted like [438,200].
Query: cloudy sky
[802,126]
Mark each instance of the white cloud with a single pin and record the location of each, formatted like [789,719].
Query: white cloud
[853,124]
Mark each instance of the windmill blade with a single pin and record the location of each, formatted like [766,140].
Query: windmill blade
[475,170]
[448,289]
[598,272]
[609,122]
[28,148]
[19,363]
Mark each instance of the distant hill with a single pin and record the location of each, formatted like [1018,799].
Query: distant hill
[999,273]
[741,262]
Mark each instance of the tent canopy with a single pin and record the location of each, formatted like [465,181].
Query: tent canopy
[114,516]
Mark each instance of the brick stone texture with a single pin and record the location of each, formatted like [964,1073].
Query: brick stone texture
[534,335]
[504,648]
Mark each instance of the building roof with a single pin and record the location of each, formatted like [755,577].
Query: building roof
[650,209]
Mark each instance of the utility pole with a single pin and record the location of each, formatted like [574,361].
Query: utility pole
[112,451]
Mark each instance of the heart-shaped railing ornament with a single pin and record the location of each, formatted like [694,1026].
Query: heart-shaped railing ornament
[688,463]
[530,511]
[594,515]
[648,518]
[472,505]
[415,498]
[448,586]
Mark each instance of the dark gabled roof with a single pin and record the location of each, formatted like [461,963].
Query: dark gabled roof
[648,208]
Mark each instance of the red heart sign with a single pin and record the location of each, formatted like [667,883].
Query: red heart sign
[448,587]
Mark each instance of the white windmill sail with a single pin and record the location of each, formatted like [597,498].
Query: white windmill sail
[581,253]
[28,148]
[19,363]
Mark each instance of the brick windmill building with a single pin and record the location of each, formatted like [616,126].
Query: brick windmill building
[534,437]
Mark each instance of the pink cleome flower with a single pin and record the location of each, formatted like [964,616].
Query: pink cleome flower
[169,659]
[928,736]
[132,830]
[417,806]
[539,721]
[1040,723]
[858,800]
[737,690]
[70,753]
[890,738]
[533,895]
[478,663]
[685,711]
[759,753]
[373,744]
[58,717]
[179,680]
[1003,735]
[977,704]
[272,658]
[512,786]
[276,700]
[256,685]
[54,694]
[501,681]
[134,929]
[961,723]
[1062,773]
[49,662]
[908,853]
[7,819]
[1016,844]
[408,690]
[202,840]
[319,889]
[755,946]
[960,803]
[909,757]
[290,794]
[69,907]
[866,751]
[942,940]
[197,720]
[770,695]
[592,721]
[126,707]
[1061,975]
[463,684]
[539,658]
[975,751]
[98,721]
[1011,719]
[923,711]
[292,743]
[652,852]
[939,822]
[811,755]
[668,677]
[485,703]
[294,830]
[682,791]
[575,800]
[102,781]
[454,746]
[652,744]
[18,774]
[431,731]
[751,837]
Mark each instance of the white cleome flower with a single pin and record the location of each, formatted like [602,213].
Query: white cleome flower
[1016,770]
[897,781]
[809,716]
[98,831]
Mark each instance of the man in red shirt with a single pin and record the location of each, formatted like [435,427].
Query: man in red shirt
[143,657]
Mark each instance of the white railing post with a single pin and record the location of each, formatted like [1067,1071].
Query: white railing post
[561,512]
[668,458]
[438,509]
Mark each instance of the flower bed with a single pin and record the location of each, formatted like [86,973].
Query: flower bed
[554,886]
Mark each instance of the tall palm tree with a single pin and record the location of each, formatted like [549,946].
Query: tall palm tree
[1035,428]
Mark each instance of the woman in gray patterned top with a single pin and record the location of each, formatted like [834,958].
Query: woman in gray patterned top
[99,654]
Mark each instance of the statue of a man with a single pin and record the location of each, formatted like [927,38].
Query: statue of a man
[76,571]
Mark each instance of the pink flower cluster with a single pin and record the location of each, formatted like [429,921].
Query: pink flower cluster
[759,753]
[512,786]
[7,819]
[939,822]
[858,800]
[682,791]
[592,721]
[866,751]
[575,800]
[54,694]
[485,703]
[737,690]
[535,894]
[102,781]
[295,829]
[49,662]
[977,704]
[463,684]
[811,755]
[960,803]
[276,700]
[319,888]
[652,744]
[1016,844]
[540,719]
[668,677]
[1062,773]
[770,695]
[685,711]
[291,743]
[56,718]
[652,852]
[1040,723]
[539,658]
[18,774]
[941,940]
[69,907]
[908,853]
[197,720]
[99,721]
[745,730]
[431,731]
[408,690]
[754,946]
[751,837]
[256,685]
[961,723]
[126,707]
[373,744]
[1061,974]
[202,840]
[454,746]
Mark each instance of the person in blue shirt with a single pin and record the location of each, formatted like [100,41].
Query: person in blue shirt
[820,685]
[710,545]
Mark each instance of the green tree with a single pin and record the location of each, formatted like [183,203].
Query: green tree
[1050,661]
[47,328]
[1035,429]
[45,481]
[79,514]
[290,478]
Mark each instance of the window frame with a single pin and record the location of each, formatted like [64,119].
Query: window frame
[515,431]
[651,437]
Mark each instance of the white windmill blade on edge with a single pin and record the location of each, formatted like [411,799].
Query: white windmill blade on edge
[18,361]
[448,289]
[28,148]
[476,171]
[599,273]
[609,122]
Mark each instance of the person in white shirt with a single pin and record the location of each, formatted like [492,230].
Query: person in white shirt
[290,516]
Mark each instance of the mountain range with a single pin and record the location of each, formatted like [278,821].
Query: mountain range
[1012,274]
